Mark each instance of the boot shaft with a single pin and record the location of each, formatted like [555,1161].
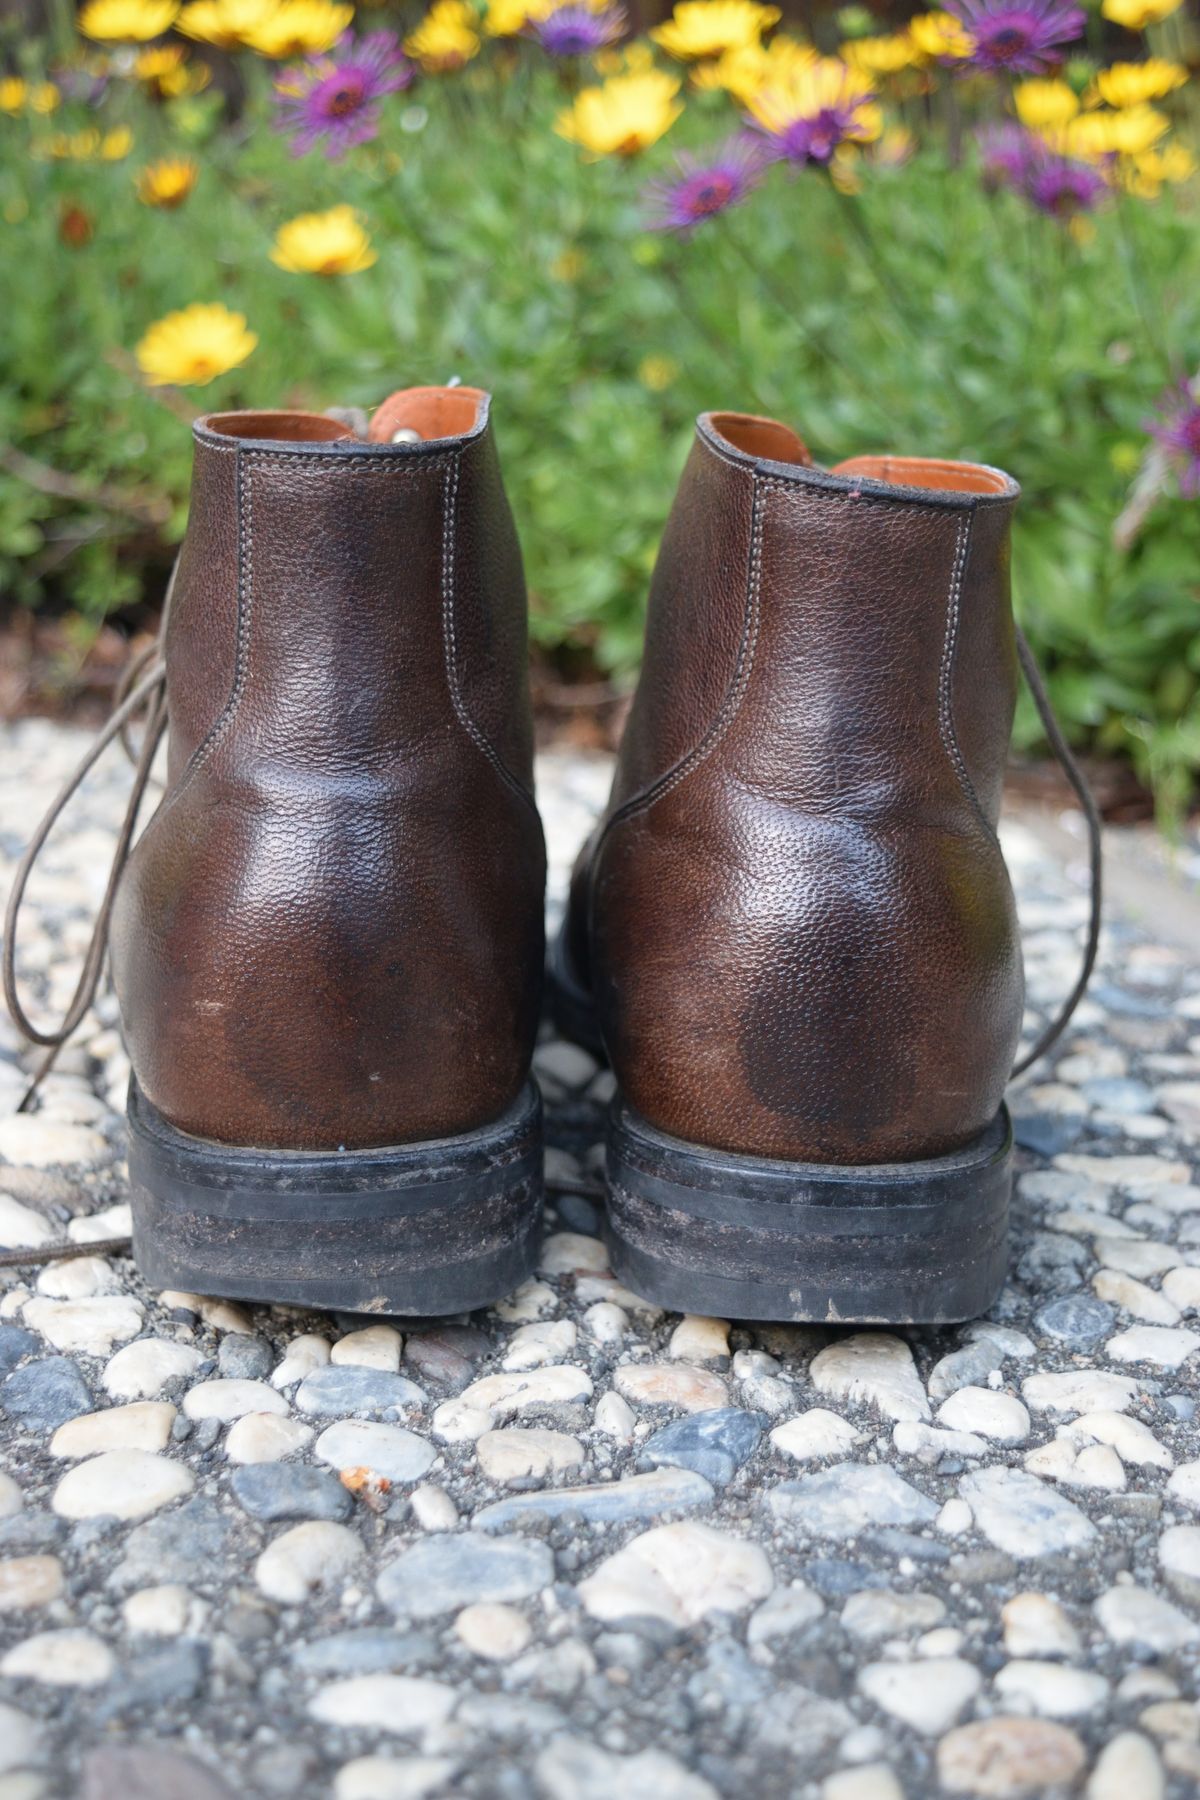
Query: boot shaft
[350,602]
[847,634]
[330,932]
[802,935]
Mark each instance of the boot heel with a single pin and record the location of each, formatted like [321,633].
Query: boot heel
[438,1227]
[746,1237]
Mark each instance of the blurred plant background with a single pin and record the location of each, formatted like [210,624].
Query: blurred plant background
[970,233]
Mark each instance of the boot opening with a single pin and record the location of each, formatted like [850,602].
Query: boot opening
[926,472]
[422,415]
[283,427]
[765,438]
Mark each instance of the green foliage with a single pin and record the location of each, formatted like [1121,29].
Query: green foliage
[920,314]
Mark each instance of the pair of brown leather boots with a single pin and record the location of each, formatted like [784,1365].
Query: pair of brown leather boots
[792,933]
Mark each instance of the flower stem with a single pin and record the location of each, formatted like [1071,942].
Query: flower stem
[819,342]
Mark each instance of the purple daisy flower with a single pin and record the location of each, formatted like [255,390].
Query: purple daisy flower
[703,186]
[334,100]
[1057,185]
[812,140]
[578,30]
[1178,431]
[1021,36]
[1062,187]
[1005,153]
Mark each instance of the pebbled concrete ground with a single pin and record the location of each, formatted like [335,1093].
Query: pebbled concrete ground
[575,1547]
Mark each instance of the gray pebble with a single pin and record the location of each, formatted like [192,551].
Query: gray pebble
[245,1358]
[968,1367]
[713,1444]
[30,1531]
[1054,1262]
[281,1490]
[287,1769]
[611,1502]
[146,1772]
[1048,1134]
[833,1576]
[166,1677]
[840,1502]
[44,1395]
[1076,1319]
[907,1543]
[15,1342]
[1114,1094]
[447,1572]
[190,1542]
[371,1651]
[348,1390]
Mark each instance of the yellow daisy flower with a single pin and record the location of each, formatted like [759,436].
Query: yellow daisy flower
[1041,102]
[1137,128]
[127,21]
[700,28]
[1091,136]
[446,38]
[939,36]
[44,98]
[1147,173]
[167,183]
[13,94]
[298,28]
[656,373]
[1131,83]
[192,347]
[1135,15]
[625,115]
[328,243]
[823,91]
[505,18]
[224,23]
[742,71]
[116,144]
[884,55]
[166,72]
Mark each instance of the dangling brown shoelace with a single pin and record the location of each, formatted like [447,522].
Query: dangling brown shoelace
[142,685]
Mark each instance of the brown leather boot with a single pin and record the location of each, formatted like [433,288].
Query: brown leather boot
[327,944]
[793,930]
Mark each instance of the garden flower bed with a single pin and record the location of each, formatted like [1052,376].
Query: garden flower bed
[975,236]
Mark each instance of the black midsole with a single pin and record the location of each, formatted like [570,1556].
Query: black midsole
[445,1225]
[753,1237]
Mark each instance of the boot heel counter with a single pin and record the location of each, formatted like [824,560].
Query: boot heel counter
[265,1005]
[812,1016]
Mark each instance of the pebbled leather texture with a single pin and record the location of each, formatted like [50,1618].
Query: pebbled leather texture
[330,932]
[795,916]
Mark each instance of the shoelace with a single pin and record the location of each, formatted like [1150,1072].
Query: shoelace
[144,685]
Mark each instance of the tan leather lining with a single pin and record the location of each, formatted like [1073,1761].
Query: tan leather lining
[755,436]
[432,412]
[288,427]
[925,472]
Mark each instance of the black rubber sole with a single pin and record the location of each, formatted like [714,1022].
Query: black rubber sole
[744,1237]
[432,1228]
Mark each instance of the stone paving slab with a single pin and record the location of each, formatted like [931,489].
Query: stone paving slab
[577,1548]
